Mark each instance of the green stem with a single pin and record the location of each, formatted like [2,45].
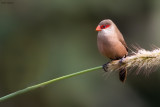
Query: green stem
[46,83]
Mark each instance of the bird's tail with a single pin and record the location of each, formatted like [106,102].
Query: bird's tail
[123,74]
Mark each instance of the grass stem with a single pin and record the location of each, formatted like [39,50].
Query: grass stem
[14,94]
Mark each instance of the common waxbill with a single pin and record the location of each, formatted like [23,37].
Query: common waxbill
[111,44]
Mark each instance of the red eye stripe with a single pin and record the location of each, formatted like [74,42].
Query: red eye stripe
[107,26]
[104,26]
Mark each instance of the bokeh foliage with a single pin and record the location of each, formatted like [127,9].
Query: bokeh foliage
[45,39]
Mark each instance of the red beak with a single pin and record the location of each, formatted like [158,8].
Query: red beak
[98,28]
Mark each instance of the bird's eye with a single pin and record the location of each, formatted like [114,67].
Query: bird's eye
[104,26]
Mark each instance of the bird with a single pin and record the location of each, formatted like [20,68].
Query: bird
[111,44]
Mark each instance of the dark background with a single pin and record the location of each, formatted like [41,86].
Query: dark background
[45,39]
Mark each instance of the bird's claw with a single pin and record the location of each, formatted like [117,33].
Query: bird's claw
[105,66]
[121,60]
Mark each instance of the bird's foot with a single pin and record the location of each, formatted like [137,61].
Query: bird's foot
[121,60]
[105,67]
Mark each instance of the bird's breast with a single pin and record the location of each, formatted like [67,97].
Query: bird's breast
[111,47]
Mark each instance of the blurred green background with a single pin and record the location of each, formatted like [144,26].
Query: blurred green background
[45,39]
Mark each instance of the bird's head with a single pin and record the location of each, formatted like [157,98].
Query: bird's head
[105,25]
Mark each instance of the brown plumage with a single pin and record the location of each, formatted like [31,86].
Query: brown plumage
[111,43]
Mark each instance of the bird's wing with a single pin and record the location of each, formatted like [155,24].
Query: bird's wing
[121,39]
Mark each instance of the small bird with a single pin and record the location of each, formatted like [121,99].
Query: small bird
[111,44]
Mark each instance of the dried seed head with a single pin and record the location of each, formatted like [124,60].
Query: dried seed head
[140,59]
